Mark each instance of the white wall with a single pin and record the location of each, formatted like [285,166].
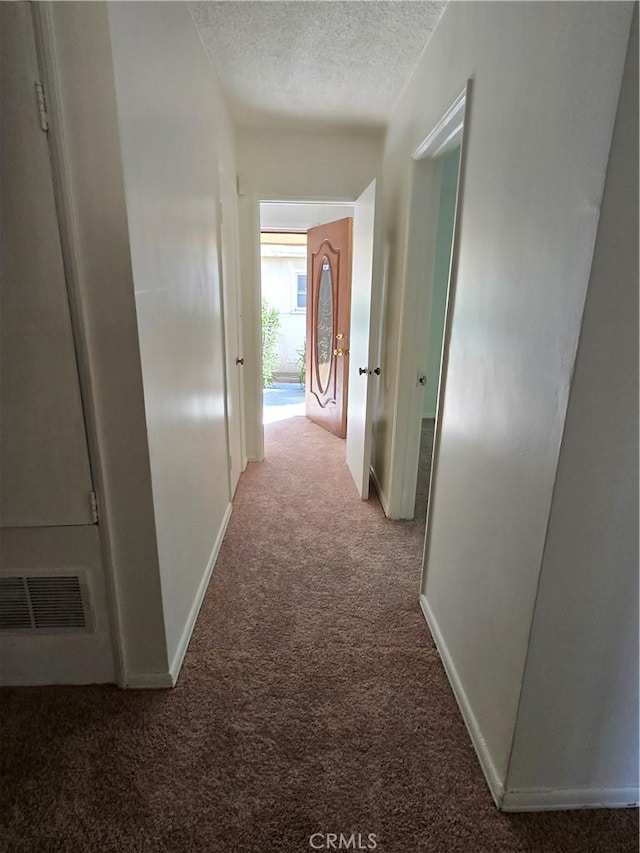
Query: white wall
[546,79]
[174,129]
[297,165]
[84,132]
[289,165]
[578,722]
[46,523]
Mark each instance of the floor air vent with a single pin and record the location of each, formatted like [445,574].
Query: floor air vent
[46,604]
[14,605]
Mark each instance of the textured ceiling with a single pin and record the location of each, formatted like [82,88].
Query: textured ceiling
[300,61]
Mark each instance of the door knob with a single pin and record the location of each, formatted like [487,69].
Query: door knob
[340,336]
[341,351]
[239,360]
[422,380]
[376,370]
[362,370]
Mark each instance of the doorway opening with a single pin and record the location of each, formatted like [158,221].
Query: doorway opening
[342,305]
[285,301]
[437,180]
[283,275]
[448,165]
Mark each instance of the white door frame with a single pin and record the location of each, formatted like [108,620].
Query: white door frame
[364,340]
[251,296]
[416,300]
[228,271]
[251,326]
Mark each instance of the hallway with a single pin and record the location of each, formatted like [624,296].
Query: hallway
[311,700]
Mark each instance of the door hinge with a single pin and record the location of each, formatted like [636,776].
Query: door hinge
[93,503]
[43,114]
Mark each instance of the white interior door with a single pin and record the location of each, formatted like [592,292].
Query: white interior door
[364,372]
[44,459]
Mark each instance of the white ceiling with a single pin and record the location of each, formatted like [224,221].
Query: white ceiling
[344,62]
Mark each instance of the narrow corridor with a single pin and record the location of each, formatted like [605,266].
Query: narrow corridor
[312,700]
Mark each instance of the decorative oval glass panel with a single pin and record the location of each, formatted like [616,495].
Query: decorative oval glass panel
[324,325]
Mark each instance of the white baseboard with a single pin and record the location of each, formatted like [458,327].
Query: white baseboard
[380,492]
[27,660]
[526,800]
[178,658]
[148,681]
[486,762]
[559,799]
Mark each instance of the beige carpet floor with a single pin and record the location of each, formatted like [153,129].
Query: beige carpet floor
[311,700]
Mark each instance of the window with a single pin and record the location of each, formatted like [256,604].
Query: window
[300,299]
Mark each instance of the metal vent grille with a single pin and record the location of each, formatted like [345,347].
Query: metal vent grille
[14,605]
[47,604]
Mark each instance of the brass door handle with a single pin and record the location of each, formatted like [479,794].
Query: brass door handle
[341,351]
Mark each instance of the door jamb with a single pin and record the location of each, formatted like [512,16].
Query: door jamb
[226,287]
[447,133]
[446,339]
[250,295]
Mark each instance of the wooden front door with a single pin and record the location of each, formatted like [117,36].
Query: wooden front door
[328,319]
